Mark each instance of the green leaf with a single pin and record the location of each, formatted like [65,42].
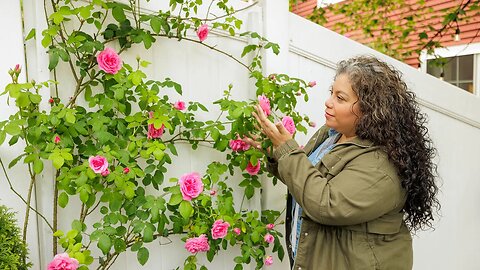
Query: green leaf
[84,195]
[248,49]
[23,100]
[13,129]
[119,14]
[57,160]
[148,234]
[38,166]
[104,243]
[156,24]
[119,245]
[46,41]
[63,199]
[31,34]
[142,255]
[53,60]
[186,209]
[70,117]
[175,199]
[2,136]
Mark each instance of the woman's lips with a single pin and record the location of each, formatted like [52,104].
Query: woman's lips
[328,115]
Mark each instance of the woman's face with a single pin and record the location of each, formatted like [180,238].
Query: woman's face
[342,110]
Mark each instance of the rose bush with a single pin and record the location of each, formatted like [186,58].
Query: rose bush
[112,143]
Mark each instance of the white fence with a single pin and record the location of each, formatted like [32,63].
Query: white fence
[308,51]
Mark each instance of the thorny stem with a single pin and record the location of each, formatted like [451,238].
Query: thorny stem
[20,196]
[55,213]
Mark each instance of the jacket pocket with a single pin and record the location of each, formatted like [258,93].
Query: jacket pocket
[331,165]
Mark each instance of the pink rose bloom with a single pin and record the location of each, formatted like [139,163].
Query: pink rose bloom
[268,260]
[312,124]
[238,145]
[63,262]
[270,226]
[109,61]
[126,170]
[202,32]
[105,173]
[288,123]
[197,244]
[253,170]
[268,238]
[265,104]
[237,231]
[180,105]
[57,139]
[312,83]
[219,229]
[190,185]
[98,163]
[213,192]
[153,132]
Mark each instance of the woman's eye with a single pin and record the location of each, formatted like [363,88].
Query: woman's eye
[340,98]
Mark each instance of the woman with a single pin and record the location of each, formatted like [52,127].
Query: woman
[364,181]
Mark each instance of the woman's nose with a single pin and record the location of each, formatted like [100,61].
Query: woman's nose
[328,102]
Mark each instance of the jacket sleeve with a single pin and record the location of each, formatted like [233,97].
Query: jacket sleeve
[359,193]
[272,167]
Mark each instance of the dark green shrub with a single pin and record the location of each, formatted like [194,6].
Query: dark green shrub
[13,251]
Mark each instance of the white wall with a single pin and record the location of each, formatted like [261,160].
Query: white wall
[454,124]
[12,53]
[310,52]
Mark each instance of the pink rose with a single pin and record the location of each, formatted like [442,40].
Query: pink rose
[153,132]
[268,238]
[51,101]
[63,262]
[202,32]
[288,123]
[265,104]
[213,192]
[98,163]
[109,61]
[238,145]
[312,124]
[56,140]
[268,260]
[179,105]
[17,69]
[105,173]
[126,170]
[237,231]
[312,83]
[197,244]
[253,170]
[271,77]
[219,229]
[270,226]
[190,185]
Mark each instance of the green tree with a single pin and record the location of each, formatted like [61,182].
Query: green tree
[388,34]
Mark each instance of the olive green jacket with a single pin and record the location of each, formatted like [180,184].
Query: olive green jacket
[352,204]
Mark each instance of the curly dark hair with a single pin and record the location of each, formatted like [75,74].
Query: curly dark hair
[391,118]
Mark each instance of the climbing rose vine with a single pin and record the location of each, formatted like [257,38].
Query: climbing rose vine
[110,134]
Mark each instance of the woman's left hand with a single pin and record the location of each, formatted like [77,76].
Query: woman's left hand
[275,132]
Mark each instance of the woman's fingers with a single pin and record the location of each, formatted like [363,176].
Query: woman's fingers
[281,128]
